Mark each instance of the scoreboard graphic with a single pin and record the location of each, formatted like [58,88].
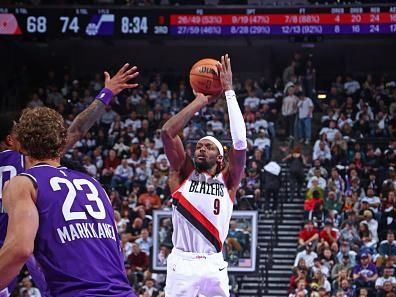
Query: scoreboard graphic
[177,22]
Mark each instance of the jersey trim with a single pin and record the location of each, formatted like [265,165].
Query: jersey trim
[225,178]
[31,177]
[182,182]
[198,220]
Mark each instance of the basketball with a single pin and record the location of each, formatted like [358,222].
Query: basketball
[204,77]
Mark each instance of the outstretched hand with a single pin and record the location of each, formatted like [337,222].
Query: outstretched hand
[225,72]
[119,82]
[206,99]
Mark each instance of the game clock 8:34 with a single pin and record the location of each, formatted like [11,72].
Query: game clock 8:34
[134,25]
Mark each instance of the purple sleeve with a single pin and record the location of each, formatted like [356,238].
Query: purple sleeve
[356,269]
[373,268]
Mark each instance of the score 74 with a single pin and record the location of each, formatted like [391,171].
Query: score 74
[69,23]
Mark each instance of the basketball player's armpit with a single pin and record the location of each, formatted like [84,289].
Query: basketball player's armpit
[83,122]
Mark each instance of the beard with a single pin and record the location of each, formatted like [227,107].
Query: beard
[203,165]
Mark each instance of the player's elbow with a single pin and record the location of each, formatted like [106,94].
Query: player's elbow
[166,133]
[22,251]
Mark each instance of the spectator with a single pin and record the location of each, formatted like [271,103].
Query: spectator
[343,265]
[351,86]
[145,242]
[35,101]
[317,181]
[349,234]
[328,237]
[317,166]
[138,261]
[322,153]
[365,274]
[301,290]
[388,290]
[308,255]
[236,240]
[150,200]
[289,72]
[110,164]
[133,230]
[331,131]
[27,286]
[89,167]
[345,250]
[289,109]
[296,169]
[320,281]
[126,246]
[337,180]
[149,287]
[299,273]
[271,186]
[263,143]
[387,248]
[122,175]
[372,224]
[388,276]
[332,203]
[305,110]
[373,201]
[312,202]
[328,260]
[252,100]
[107,118]
[309,234]
[319,267]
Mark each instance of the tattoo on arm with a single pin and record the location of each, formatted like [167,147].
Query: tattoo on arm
[83,122]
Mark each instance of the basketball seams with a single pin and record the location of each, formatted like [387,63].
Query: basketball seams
[205,76]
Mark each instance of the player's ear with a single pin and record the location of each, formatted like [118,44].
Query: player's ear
[9,141]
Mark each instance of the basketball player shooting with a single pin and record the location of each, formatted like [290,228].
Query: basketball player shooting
[62,216]
[203,191]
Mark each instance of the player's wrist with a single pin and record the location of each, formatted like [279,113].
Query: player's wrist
[105,96]
[230,94]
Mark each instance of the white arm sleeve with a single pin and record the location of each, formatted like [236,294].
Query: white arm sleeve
[237,123]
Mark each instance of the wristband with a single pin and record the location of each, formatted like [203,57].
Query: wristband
[230,94]
[105,95]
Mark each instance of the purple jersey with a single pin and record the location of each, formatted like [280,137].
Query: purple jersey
[76,244]
[11,164]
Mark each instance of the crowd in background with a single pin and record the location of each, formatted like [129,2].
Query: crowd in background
[349,197]
[347,246]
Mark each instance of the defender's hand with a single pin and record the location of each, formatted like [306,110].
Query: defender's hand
[119,82]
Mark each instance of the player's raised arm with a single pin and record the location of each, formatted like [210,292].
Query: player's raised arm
[113,86]
[23,219]
[237,157]
[173,145]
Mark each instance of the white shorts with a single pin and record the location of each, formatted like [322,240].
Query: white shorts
[196,275]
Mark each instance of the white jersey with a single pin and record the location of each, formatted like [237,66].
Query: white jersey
[202,209]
